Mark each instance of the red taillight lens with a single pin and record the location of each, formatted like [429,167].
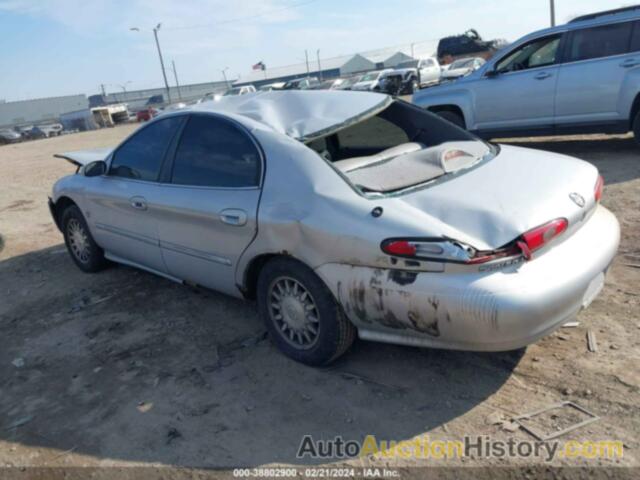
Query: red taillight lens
[536,238]
[399,247]
[598,188]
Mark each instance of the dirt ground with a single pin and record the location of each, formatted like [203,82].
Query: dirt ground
[125,368]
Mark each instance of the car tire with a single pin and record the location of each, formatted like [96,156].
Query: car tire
[452,117]
[636,128]
[301,314]
[84,251]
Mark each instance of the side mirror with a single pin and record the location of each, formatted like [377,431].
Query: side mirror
[493,73]
[95,169]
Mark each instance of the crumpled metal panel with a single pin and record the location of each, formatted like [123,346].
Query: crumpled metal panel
[301,114]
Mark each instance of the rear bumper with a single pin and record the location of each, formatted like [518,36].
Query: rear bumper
[493,311]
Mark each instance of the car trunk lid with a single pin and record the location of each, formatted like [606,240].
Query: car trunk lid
[497,200]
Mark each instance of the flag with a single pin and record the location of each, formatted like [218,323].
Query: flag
[260,66]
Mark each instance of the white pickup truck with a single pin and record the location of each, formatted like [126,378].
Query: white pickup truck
[427,71]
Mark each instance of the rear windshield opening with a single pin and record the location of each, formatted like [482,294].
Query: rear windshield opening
[400,147]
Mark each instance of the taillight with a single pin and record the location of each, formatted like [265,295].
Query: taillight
[598,188]
[399,247]
[444,250]
[538,237]
[448,250]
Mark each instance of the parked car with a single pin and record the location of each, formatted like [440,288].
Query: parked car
[378,218]
[346,83]
[271,86]
[9,136]
[146,114]
[24,131]
[35,133]
[301,83]
[462,67]
[232,92]
[331,84]
[371,80]
[51,129]
[424,72]
[581,77]
[398,82]
[469,43]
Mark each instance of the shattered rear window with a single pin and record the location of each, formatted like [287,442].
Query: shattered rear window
[400,147]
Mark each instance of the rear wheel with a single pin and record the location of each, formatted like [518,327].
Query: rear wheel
[452,117]
[84,251]
[636,127]
[302,316]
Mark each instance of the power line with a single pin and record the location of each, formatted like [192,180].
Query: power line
[241,19]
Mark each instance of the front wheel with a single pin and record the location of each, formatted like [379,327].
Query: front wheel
[84,251]
[301,314]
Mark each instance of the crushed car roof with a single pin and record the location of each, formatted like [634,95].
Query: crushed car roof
[301,114]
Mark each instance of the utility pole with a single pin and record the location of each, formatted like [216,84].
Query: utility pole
[175,74]
[552,5]
[224,75]
[306,57]
[104,94]
[164,73]
[319,67]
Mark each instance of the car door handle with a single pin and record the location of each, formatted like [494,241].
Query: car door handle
[630,62]
[139,203]
[542,75]
[233,216]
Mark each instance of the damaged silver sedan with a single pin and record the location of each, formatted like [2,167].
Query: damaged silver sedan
[347,213]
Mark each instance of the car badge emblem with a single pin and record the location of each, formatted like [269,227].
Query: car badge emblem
[577,199]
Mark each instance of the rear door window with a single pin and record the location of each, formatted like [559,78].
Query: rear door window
[215,153]
[141,156]
[635,38]
[599,42]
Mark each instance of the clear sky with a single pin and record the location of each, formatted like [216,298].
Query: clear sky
[60,47]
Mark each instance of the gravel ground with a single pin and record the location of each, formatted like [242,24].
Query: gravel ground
[123,368]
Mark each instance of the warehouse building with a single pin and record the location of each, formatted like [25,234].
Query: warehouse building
[325,68]
[136,99]
[39,110]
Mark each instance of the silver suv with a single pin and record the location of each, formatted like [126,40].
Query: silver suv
[582,77]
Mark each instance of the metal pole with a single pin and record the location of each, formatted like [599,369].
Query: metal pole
[175,74]
[552,4]
[319,67]
[224,75]
[306,56]
[164,74]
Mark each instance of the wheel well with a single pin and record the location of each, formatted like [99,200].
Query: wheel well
[60,206]
[635,107]
[254,268]
[253,272]
[448,108]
